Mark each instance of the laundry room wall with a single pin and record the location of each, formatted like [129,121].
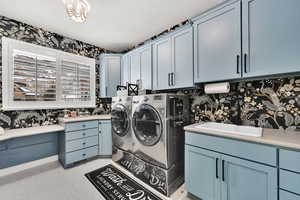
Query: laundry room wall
[17,30]
[263,103]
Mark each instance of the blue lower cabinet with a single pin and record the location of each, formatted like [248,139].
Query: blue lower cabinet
[25,149]
[75,126]
[81,155]
[105,138]
[82,134]
[211,173]
[288,196]
[202,173]
[290,181]
[244,180]
[3,146]
[83,143]
[79,142]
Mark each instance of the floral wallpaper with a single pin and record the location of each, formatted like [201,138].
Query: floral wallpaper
[266,103]
[21,31]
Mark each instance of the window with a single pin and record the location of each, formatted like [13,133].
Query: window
[75,80]
[36,77]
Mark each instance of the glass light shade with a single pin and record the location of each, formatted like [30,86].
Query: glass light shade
[77,9]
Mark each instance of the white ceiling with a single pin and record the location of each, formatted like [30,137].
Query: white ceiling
[112,24]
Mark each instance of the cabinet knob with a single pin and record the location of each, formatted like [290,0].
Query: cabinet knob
[83,143]
[84,155]
[83,134]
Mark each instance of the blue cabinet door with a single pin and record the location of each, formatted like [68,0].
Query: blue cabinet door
[125,70]
[202,173]
[248,180]
[135,64]
[162,66]
[146,67]
[271,39]
[183,64]
[110,74]
[217,44]
[105,138]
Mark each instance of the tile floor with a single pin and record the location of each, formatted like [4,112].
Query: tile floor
[47,180]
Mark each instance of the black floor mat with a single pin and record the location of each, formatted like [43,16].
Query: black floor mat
[115,185]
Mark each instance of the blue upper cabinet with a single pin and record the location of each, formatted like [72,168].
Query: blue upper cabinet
[146,67]
[173,60]
[246,180]
[110,74]
[271,39]
[162,64]
[217,44]
[182,75]
[125,70]
[137,67]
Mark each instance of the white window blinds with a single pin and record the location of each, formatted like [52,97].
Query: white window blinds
[75,80]
[34,77]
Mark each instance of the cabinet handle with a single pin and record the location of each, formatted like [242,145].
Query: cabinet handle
[245,63]
[238,64]
[217,168]
[83,134]
[173,78]
[223,170]
[169,79]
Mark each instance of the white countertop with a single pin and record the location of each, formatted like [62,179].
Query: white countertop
[85,118]
[22,132]
[280,138]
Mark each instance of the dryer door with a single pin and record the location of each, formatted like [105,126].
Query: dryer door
[147,125]
[120,120]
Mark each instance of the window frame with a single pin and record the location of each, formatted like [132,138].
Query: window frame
[8,103]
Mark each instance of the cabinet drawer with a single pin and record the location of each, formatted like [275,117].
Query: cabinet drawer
[290,181]
[81,134]
[289,159]
[251,151]
[288,196]
[81,143]
[81,154]
[80,125]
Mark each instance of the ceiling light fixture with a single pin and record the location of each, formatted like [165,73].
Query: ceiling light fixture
[77,9]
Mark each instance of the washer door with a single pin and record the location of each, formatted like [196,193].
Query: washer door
[120,120]
[147,125]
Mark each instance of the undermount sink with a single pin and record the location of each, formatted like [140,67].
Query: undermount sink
[230,129]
